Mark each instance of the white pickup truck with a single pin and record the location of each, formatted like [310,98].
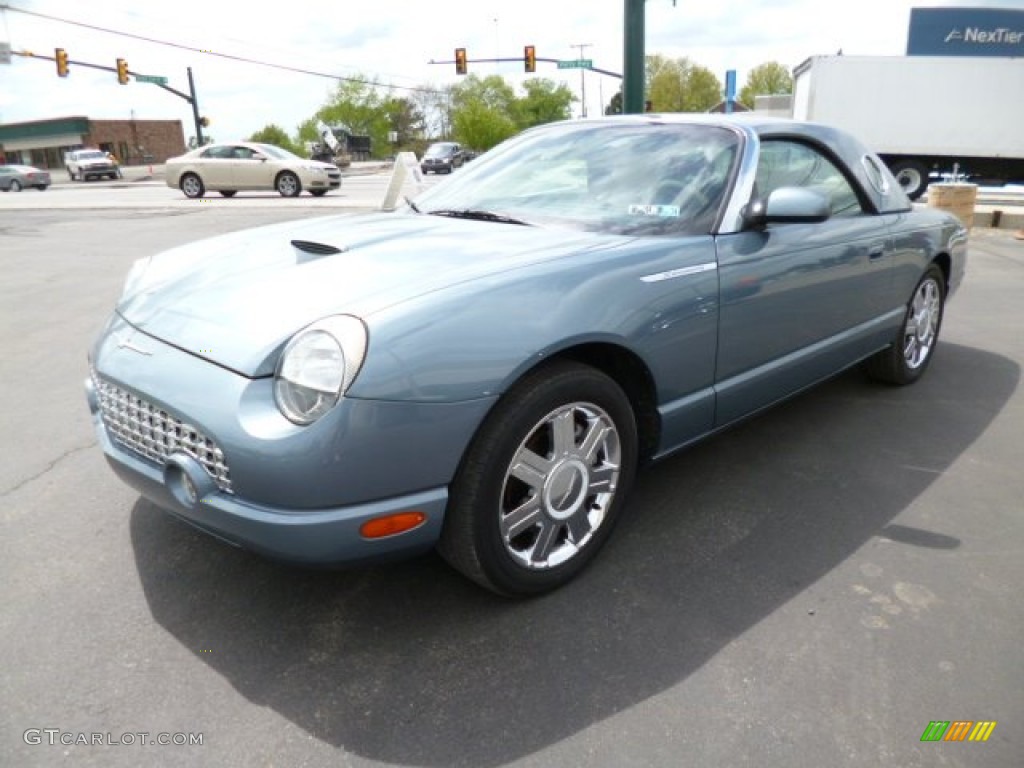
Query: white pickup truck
[83,164]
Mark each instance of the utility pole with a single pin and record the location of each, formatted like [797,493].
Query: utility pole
[583,79]
[195,109]
[633,58]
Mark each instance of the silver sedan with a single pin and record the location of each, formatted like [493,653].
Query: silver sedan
[14,178]
[242,165]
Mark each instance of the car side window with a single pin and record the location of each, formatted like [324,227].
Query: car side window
[785,163]
[217,152]
[242,153]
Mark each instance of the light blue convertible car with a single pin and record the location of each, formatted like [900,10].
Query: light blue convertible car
[484,370]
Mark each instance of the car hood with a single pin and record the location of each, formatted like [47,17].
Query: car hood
[236,299]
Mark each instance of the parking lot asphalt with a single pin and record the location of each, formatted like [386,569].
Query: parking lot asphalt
[812,588]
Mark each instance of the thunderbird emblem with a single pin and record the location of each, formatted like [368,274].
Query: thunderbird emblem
[127,344]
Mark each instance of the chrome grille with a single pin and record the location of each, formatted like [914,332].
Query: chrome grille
[155,434]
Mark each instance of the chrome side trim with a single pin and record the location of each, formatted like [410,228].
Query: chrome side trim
[671,274]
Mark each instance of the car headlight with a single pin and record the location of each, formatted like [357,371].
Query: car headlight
[318,366]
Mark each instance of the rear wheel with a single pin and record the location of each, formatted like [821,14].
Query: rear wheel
[192,185]
[907,359]
[288,184]
[912,175]
[543,481]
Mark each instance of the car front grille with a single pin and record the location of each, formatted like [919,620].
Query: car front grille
[155,434]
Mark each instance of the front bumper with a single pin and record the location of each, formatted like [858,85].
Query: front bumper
[443,165]
[295,493]
[97,170]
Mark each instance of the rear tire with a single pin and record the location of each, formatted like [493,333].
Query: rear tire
[287,184]
[543,481]
[912,175]
[906,360]
[192,185]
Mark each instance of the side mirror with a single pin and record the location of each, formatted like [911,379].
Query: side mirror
[258,156]
[787,205]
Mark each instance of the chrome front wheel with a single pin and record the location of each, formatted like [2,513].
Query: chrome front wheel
[560,485]
[543,481]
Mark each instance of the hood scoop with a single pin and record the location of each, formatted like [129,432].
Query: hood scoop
[310,250]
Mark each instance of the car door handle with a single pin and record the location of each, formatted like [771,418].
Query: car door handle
[876,251]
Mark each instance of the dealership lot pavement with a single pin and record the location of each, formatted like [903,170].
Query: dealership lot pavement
[809,589]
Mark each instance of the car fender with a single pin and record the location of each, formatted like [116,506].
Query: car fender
[476,339]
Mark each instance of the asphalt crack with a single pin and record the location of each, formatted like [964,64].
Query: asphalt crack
[47,468]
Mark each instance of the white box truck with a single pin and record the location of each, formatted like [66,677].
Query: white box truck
[922,114]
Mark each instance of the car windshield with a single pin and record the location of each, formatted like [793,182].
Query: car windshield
[632,178]
[439,150]
[276,152]
[92,155]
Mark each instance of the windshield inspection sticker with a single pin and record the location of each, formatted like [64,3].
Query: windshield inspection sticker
[654,210]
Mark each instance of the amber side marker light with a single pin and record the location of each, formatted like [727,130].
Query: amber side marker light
[389,525]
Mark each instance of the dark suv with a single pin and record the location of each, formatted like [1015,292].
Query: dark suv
[443,156]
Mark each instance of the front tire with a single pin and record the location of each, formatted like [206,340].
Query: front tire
[914,346]
[543,481]
[288,184]
[15,185]
[192,185]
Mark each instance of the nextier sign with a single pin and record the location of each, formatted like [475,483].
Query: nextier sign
[966,32]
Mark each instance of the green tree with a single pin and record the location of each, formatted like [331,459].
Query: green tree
[765,80]
[274,134]
[481,110]
[360,106]
[615,105]
[405,120]
[679,85]
[545,102]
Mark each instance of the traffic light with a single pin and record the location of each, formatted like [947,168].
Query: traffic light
[460,61]
[204,121]
[530,58]
[122,71]
[61,57]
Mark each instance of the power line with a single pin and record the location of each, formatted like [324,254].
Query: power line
[205,52]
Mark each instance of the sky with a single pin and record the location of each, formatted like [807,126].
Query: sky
[394,42]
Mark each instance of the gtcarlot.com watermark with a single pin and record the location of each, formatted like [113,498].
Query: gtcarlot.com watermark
[56,736]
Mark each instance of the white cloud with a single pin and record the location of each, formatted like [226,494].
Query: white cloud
[394,40]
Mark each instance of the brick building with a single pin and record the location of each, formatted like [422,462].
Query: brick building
[42,143]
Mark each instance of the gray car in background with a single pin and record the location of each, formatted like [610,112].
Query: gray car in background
[484,370]
[14,178]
